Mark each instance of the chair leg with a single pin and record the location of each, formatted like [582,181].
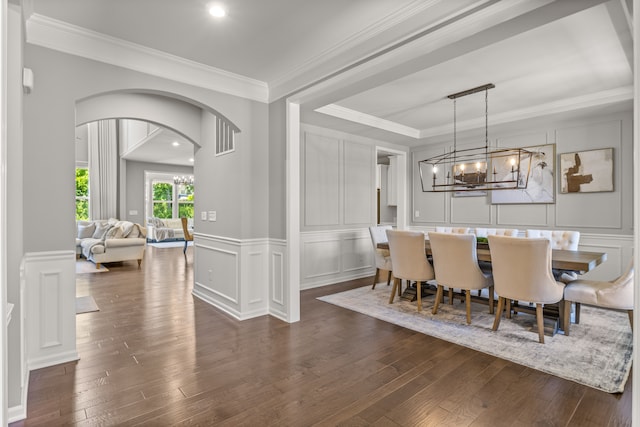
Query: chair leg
[566,321]
[450,296]
[491,307]
[577,313]
[439,294]
[630,312]
[393,290]
[419,295]
[389,278]
[467,301]
[496,320]
[540,321]
[186,242]
[139,262]
[375,278]
[508,308]
[97,266]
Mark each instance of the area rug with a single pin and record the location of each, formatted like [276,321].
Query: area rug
[83,266]
[598,353]
[86,305]
[176,244]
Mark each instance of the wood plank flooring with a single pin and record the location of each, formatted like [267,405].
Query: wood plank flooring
[155,355]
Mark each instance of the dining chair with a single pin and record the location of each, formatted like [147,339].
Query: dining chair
[522,272]
[485,232]
[409,261]
[382,256]
[458,230]
[188,237]
[455,263]
[615,294]
[560,239]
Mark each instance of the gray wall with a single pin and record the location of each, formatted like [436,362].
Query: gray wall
[337,179]
[63,79]
[605,212]
[277,170]
[135,185]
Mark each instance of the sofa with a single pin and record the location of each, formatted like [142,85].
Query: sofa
[166,229]
[112,240]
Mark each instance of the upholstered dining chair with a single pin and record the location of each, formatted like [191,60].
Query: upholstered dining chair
[615,294]
[188,237]
[409,261]
[485,232]
[455,263]
[560,239]
[522,272]
[382,256]
[457,230]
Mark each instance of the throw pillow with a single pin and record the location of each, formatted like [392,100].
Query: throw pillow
[86,231]
[114,233]
[101,230]
[126,227]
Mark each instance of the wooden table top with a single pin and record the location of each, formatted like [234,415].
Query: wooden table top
[560,259]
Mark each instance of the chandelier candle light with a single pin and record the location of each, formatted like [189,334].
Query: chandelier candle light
[470,166]
[188,180]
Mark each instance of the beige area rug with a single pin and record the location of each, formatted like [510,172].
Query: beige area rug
[83,266]
[86,305]
[598,353]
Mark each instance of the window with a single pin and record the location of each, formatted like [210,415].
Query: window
[82,194]
[162,199]
[185,200]
[169,196]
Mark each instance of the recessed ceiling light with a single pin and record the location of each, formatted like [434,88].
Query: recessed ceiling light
[191,160]
[217,11]
[175,143]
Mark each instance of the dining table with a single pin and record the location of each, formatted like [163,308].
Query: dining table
[582,261]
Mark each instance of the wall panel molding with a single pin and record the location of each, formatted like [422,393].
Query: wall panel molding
[50,308]
[343,255]
[236,275]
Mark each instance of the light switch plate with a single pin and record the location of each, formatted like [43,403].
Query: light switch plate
[212,215]
[133,212]
[203,216]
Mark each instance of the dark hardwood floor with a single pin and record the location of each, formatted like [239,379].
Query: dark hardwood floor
[155,355]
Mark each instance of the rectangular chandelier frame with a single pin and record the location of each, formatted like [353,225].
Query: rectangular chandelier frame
[486,169]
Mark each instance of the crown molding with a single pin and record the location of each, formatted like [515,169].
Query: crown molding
[57,35]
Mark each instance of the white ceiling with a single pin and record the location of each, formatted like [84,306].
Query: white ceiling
[386,66]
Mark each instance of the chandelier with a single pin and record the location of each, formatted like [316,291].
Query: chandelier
[186,180]
[475,169]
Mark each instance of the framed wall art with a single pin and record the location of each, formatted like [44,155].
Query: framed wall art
[588,171]
[538,185]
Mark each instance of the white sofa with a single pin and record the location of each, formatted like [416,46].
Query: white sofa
[103,241]
[166,229]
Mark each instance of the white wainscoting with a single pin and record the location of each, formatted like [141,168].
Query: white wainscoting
[335,256]
[233,275]
[278,291]
[50,308]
